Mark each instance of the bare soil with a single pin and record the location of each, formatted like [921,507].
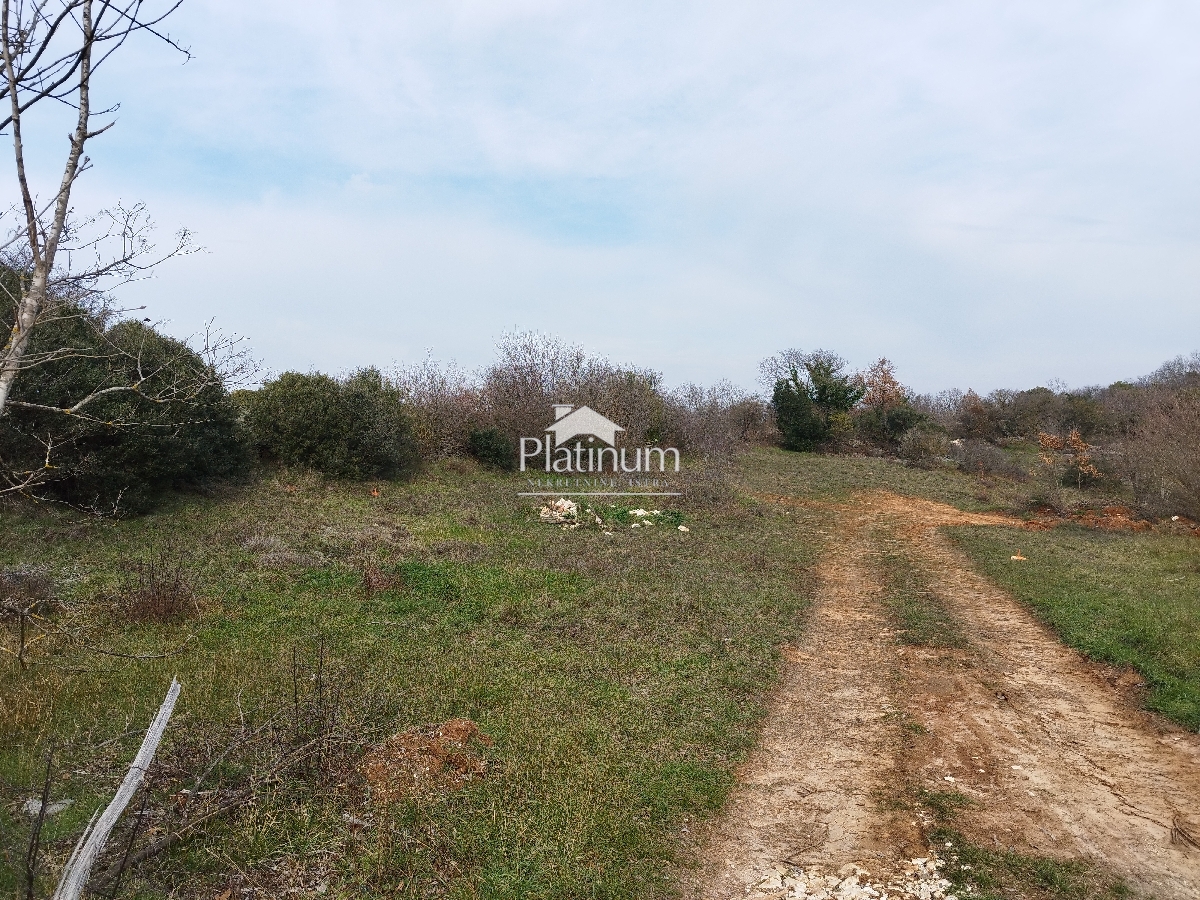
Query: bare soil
[1051,748]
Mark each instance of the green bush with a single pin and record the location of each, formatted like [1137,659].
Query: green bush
[807,410]
[352,428]
[924,445]
[887,425]
[492,447]
[800,424]
[124,451]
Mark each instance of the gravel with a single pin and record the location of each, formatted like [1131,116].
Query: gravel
[920,880]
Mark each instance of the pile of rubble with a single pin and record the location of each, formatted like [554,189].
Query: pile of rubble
[920,880]
[561,512]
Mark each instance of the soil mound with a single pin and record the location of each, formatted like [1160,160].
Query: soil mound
[425,759]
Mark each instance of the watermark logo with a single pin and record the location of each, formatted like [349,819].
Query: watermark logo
[579,450]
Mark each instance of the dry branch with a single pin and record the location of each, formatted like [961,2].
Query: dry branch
[79,868]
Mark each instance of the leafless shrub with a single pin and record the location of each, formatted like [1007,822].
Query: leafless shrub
[942,407]
[159,588]
[26,598]
[534,371]
[443,403]
[1180,372]
[29,588]
[780,367]
[1162,453]
[982,458]
[715,421]
[303,737]
[633,397]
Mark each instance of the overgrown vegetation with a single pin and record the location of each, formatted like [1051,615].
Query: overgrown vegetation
[453,410]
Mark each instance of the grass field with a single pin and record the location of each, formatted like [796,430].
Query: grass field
[1125,599]
[618,676]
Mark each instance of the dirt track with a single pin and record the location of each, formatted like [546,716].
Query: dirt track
[1059,761]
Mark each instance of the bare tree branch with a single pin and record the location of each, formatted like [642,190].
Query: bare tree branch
[49,50]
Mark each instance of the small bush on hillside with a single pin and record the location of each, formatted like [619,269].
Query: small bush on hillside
[513,397]
[492,447]
[1162,452]
[982,458]
[352,428]
[886,411]
[535,371]
[924,446]
[158,588]
[715,421]
[124,451]
[886,426]
[801,426]
[443,405]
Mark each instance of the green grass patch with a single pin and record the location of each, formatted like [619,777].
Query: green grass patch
[813,476]
[918,612]
[1121,598]
[1001,874]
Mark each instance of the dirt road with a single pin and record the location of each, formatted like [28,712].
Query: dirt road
[1055,758]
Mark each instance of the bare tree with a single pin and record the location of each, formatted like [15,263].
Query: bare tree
[56,266]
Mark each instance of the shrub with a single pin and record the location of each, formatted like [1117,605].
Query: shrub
[715,421]
[534,371]
[924,445]
[513,396]
[492,447]
[353,428]
[978,419]
[801,426]
[811,410]
[1163,450]
[443,405]
[982,458]
[158,588]
[887,425]
[125,450]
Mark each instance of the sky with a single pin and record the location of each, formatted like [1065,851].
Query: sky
[990,194]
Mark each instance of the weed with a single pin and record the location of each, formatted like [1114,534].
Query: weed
[158,588]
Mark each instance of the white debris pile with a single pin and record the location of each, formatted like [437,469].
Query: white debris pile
[561,511]
[644,517]
[920,880]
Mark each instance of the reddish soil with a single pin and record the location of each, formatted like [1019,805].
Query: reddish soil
[424,759]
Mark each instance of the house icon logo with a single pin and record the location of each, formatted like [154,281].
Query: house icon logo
[570,423]
[582,441]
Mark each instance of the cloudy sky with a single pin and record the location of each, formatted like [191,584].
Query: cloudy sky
[989,193]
